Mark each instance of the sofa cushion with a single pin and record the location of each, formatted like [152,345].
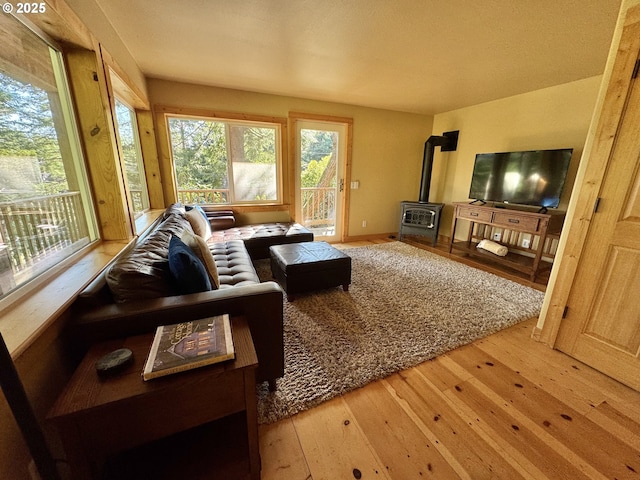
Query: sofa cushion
[258,238]
[197,244]
[234,264]
[144,272]
[199,223]
[187,269]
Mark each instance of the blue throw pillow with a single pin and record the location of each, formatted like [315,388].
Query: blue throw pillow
[187,269]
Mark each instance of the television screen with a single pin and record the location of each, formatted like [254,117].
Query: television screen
[534,177]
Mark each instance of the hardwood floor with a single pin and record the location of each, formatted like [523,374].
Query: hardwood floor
[504,407]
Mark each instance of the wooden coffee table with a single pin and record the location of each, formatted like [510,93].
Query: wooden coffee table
[97,417]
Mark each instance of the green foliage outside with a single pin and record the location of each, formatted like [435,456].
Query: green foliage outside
[27,130]
[199,154]
[201,150]
[134,168]
[128,145]
[315,152]
[310,176]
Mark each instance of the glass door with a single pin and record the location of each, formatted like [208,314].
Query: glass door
[321,153]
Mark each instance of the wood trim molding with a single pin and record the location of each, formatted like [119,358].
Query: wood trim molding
[291,170]
[149,149]
[121,84]
[209,113]
[34,314]
[375,236]
[60,22]
[167,173]
[293,201]
[320,117]
[88,85]
[347,181]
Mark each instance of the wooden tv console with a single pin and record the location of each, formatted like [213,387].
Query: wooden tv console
[512,227]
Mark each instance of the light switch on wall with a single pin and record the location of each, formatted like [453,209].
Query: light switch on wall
[355,185]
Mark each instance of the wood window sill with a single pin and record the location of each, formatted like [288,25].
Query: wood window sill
[47,297]
[28,317]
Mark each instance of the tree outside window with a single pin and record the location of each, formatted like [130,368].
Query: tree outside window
[225,162]
[129,142]
[45,205]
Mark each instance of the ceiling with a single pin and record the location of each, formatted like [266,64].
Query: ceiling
[422,56]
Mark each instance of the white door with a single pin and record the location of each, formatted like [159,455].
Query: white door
[321,149]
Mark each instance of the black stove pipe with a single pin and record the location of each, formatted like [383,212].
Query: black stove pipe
[448,142]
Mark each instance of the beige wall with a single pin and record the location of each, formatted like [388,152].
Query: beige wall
[387,158]
[386,155]
[555,117]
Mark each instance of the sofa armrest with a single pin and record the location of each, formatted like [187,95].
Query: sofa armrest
[260,304]
[221,219]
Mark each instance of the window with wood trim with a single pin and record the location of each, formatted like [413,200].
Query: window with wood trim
[45,206]
[226,161]
[133,165]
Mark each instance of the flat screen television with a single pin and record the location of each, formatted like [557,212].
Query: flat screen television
[534,177]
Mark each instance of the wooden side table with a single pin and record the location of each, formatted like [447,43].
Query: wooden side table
[97,417]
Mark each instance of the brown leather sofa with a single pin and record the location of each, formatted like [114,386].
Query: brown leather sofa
[135,293]
[258,238]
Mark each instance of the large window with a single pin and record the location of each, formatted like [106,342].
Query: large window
[45,206]
[226,161]
[129,142]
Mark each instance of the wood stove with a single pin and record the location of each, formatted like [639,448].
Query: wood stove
[423,218]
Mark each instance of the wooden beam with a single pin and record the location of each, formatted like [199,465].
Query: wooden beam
[122,85]
[88,85]
[61,23]
[167,173]
[24,56]
[151,160]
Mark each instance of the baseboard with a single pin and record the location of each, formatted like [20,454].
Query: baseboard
[443,241]
[536,333]
[375,236]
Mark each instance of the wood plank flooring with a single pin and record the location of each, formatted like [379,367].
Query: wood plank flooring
[504,407]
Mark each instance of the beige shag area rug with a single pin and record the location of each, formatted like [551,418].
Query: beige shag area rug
[405,305]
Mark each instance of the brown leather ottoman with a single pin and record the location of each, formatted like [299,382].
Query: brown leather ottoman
[308,266]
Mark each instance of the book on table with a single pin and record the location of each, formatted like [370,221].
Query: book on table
[188,345]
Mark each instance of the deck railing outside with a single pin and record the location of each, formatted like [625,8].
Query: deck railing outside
[137,200]
[318,206]
[220,195]
[32,228]
[318,203]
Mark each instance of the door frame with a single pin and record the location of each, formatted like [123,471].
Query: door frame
[598,148]
[294,117]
